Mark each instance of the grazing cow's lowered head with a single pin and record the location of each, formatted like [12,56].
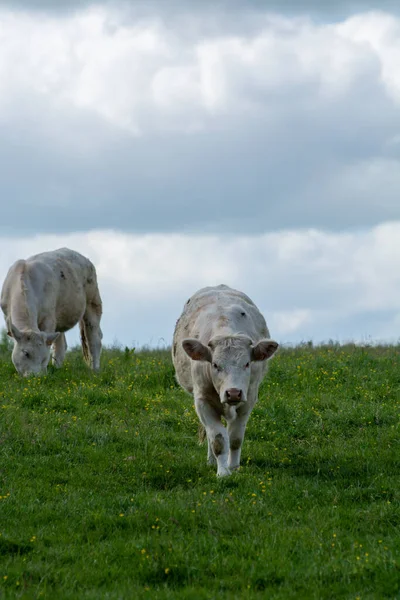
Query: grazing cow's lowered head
[31,353]
[230,358]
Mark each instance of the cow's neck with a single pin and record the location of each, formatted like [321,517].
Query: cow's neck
[23,305]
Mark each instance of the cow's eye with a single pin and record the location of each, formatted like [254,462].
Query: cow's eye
[217,367]
[246,366]
[26,354]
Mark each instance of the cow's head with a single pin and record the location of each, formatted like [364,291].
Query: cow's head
[31,352]
[230,358]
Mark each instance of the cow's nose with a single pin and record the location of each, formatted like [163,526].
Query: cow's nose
[233,395]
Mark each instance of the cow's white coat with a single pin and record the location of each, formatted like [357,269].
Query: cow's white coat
[44,296]
[220,350]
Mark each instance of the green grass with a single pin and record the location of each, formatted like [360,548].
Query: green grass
[105,491]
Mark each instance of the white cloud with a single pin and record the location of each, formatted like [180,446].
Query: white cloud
[309,284]
[288,322]
[380,33]
[130,73]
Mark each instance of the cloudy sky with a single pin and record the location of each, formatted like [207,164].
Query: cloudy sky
[182,144]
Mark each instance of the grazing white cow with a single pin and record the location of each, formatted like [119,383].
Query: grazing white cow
[220,349]
[44,296]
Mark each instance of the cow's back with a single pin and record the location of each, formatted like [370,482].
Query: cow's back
[64,281]
[57,286]
[212,311]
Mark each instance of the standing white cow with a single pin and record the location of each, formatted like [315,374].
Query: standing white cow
[44,296]
[220,349]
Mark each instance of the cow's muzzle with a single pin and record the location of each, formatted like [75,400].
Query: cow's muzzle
[233,396]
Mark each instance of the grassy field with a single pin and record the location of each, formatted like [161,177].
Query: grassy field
[105,491]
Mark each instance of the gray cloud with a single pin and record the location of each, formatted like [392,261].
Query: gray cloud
[250,177]
[141,129]
[164,7]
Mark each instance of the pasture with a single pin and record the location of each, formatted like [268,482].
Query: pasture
[105,491]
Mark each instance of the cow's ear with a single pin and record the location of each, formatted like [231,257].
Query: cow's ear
[50,338]
[196,350]
[264,350]
[13,331]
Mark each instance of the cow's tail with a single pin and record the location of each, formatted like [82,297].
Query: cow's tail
[85,343]
[201,433]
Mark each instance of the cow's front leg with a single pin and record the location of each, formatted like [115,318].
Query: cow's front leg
[237,427]
[210,454]
[217,436]
[59,350]
[236,430]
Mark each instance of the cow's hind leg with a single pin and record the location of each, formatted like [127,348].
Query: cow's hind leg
[59,350]
[91,334]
